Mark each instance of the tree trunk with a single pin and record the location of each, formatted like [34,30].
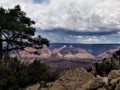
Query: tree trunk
[1,47]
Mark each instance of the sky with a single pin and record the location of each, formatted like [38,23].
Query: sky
[73,21]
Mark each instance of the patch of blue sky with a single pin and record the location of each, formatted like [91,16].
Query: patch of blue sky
[114,38]
[40,1]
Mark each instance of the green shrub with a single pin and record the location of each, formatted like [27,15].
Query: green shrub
[107,64]
[15,74]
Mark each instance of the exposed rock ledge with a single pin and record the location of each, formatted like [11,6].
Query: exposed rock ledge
[80,79]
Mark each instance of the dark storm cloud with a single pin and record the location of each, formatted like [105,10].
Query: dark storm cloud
[62,31]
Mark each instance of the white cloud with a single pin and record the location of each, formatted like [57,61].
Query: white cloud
[119,33]
[96,40]
[91,40]
[71,14]
[81,15]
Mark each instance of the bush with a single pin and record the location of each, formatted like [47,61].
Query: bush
[107,64]
[15,74]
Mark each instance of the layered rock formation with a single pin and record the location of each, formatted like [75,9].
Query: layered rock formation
[70,52]
[64,52]
[107,54]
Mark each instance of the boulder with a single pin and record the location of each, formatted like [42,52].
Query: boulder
[33,87]
[96,83]
[117,87]
[114,74]
[103,88]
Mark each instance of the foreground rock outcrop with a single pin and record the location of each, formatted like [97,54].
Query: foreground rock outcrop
[75,79]
[80,79]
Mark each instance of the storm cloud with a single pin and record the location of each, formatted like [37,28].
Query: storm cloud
[63,31]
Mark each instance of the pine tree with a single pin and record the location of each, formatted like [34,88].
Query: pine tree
[17,32]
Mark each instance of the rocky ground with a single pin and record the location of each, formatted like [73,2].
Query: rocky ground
[80,79]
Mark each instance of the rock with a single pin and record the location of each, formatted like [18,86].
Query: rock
[113,82]
[103,88]
[97,83]
[114,74]
[75,79]
[58,88]
[42,89]
[33,87]
[114,78]
[117,87]
[105,80]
